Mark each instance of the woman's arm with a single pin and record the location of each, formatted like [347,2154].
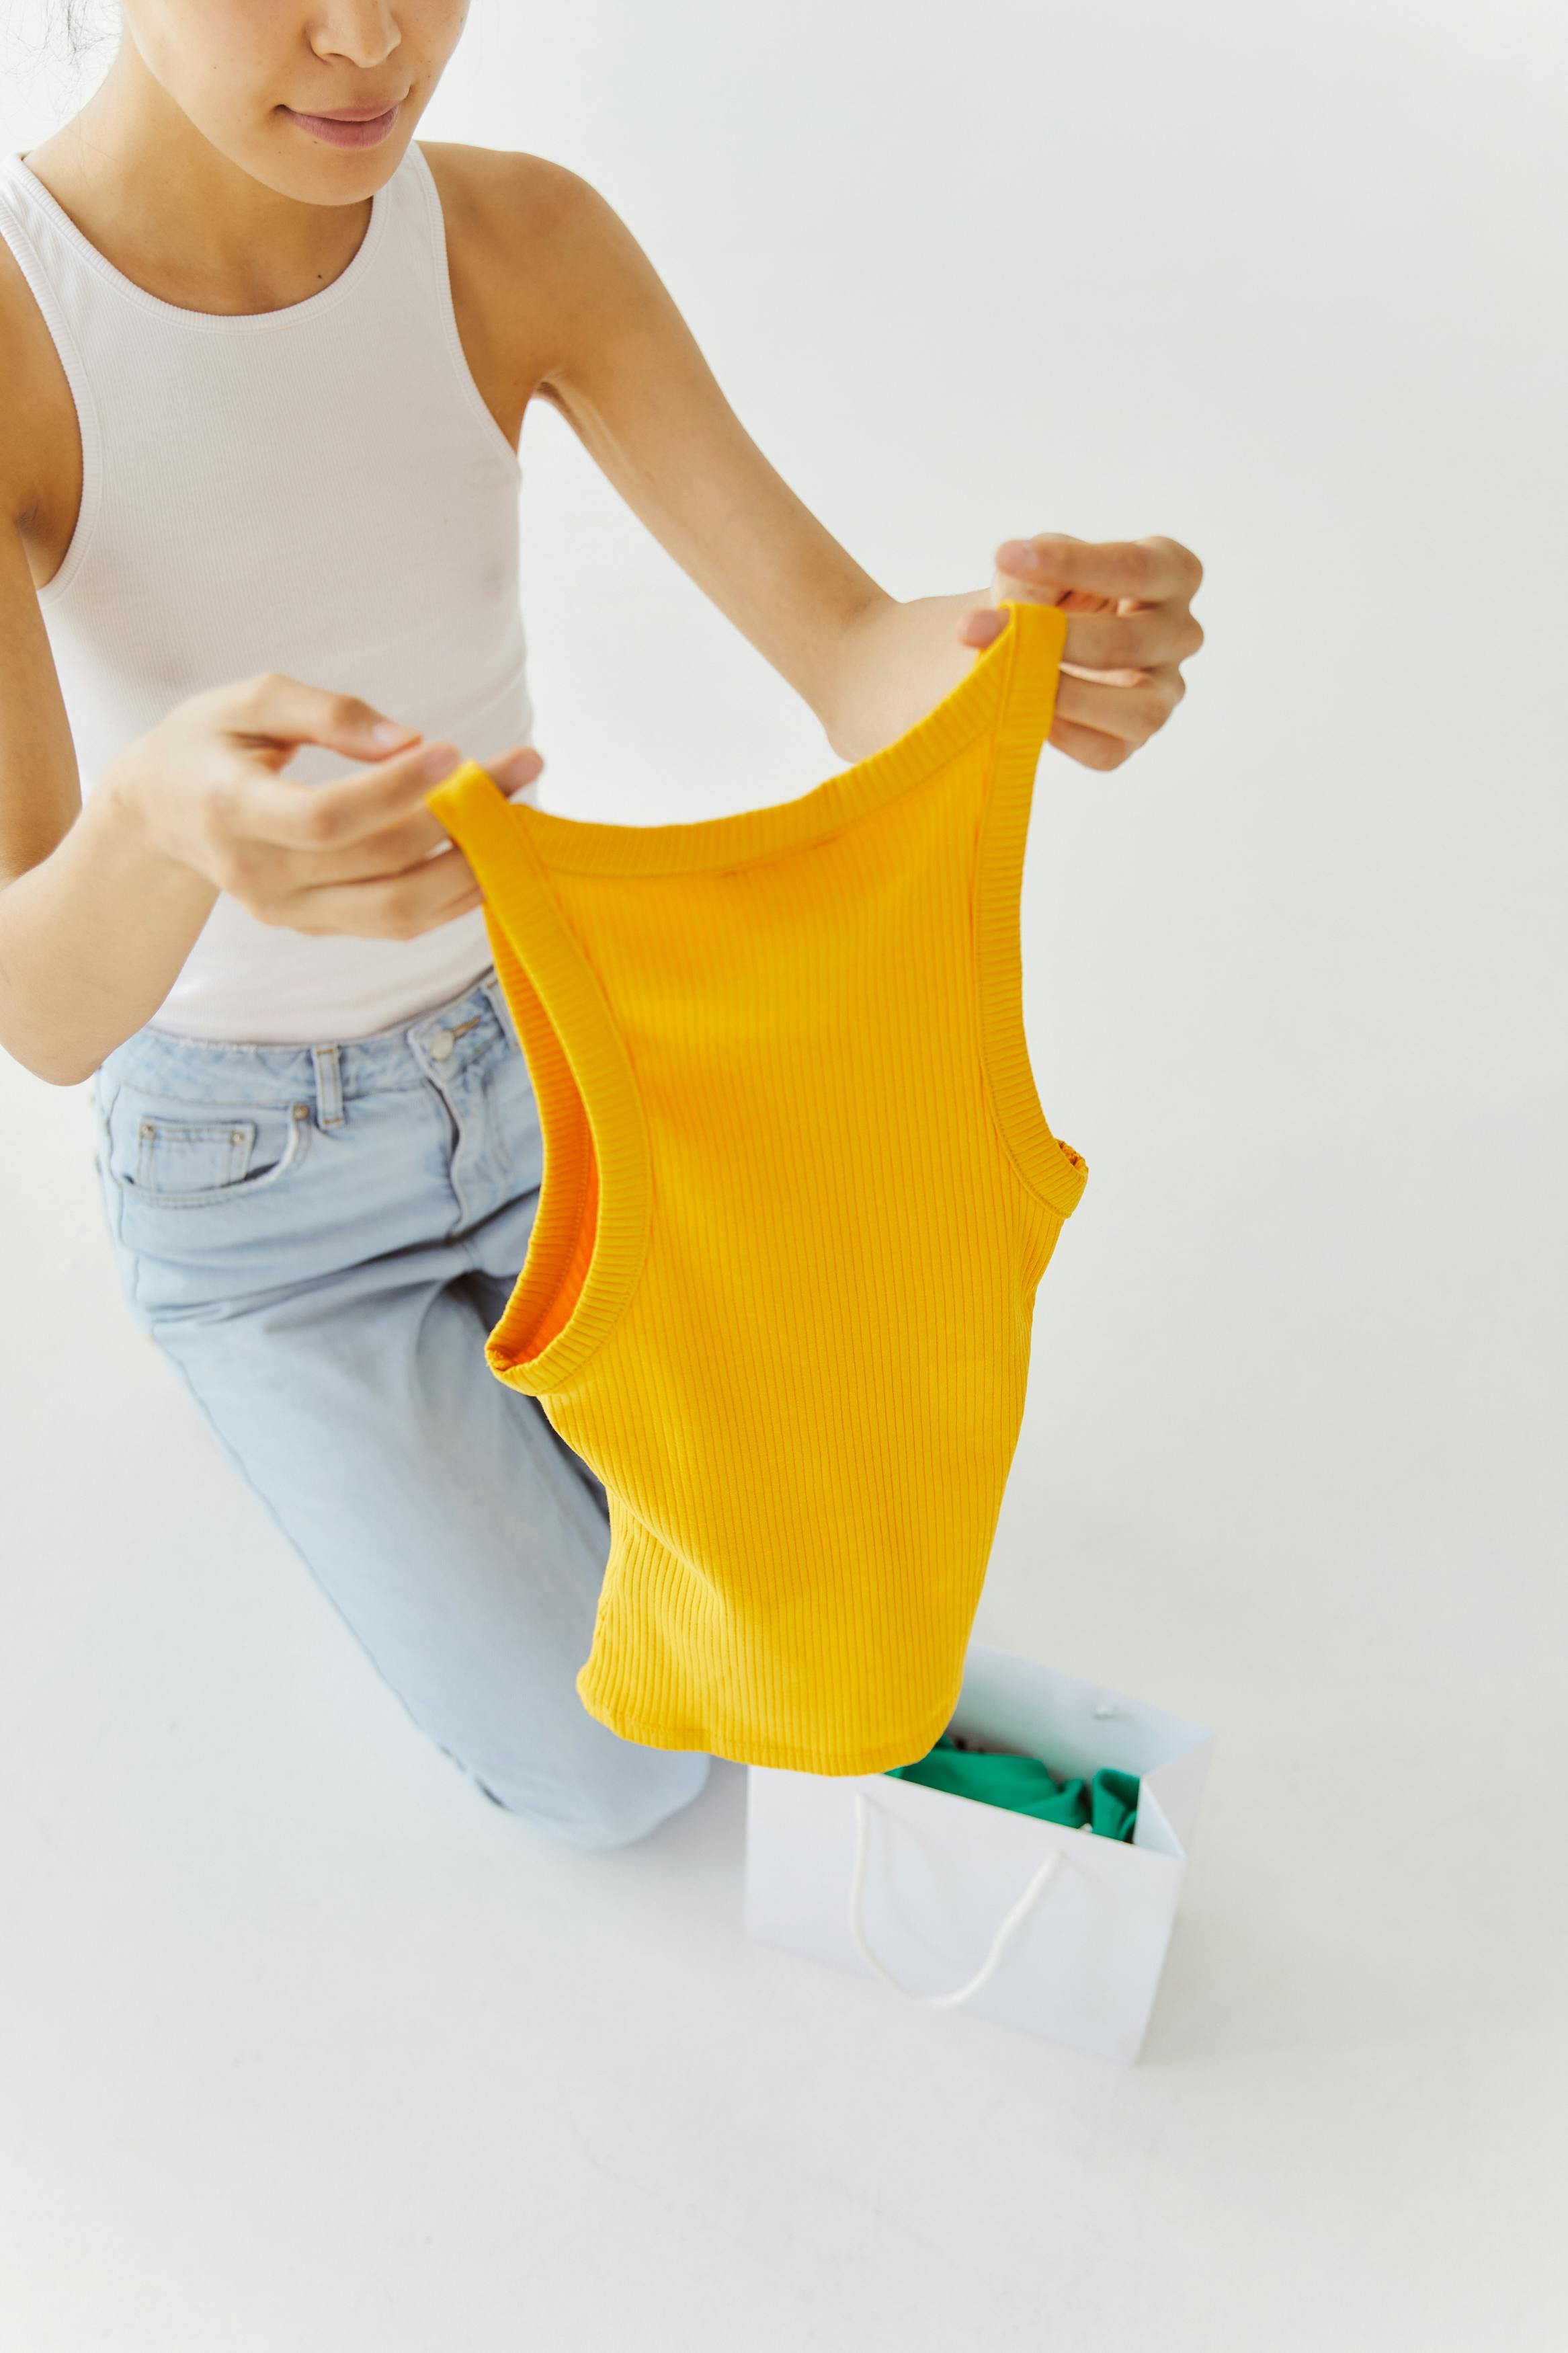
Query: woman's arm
[579,316]
[569,306]
[94,923]
[99,909]
[100,905]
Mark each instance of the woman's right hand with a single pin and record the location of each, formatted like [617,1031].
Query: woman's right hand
[348,857]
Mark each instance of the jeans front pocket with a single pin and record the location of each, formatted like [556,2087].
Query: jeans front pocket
[192,1157]
[204,1198]
[180,1163]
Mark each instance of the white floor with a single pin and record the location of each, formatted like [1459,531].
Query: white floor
[303,2045]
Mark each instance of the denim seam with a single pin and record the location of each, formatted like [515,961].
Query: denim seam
[449,1135]
[130,1262]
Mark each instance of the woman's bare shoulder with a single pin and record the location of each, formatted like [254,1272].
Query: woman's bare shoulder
[532,250]
[505,186]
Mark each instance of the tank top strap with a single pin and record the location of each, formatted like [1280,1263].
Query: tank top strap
[1027,700]
[593,1222]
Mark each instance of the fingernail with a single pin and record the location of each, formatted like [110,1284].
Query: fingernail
[1017,555]
[387,730]
[439,760]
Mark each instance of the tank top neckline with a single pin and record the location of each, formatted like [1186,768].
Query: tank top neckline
[1011,681]
[241,322]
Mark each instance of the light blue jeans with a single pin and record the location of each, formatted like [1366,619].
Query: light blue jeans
[319,1239]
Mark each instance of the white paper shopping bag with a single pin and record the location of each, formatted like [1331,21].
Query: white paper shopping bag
[959,1904]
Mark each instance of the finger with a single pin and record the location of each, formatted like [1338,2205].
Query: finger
[1149,569]
[268,808]
[389,846]
[983,624]
[364,827]
[1114,677]
[1090,746]
[1149,640]
[435,890]
[1131,714]
[515,768]
[1126,645]
[391,798]
[273,711]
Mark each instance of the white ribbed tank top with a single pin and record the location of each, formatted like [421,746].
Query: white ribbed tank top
[319,490]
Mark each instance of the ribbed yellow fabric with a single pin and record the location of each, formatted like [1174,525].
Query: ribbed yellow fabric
[799,1192]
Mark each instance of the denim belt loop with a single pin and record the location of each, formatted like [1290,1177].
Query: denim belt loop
[491,983]
[329,1086]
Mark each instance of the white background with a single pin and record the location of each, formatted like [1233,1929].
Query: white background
[304,2046]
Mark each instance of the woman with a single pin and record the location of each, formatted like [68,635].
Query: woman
[270,361]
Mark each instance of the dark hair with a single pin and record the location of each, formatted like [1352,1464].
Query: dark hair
[78,19]
[73,18]
[75,27]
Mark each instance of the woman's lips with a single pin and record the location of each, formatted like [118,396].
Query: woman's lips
[338,133]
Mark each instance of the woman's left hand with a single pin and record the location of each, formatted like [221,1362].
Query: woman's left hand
[1131,629]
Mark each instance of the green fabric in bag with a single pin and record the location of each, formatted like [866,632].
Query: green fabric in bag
[1106,1802]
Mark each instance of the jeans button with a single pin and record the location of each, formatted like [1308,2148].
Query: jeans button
[441,1044]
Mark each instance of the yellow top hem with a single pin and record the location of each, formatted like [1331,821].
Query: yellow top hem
[744,1748]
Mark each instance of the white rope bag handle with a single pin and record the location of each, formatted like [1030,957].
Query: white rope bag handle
[999,1943]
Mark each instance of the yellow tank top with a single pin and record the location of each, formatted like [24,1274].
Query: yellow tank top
[798,1191]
